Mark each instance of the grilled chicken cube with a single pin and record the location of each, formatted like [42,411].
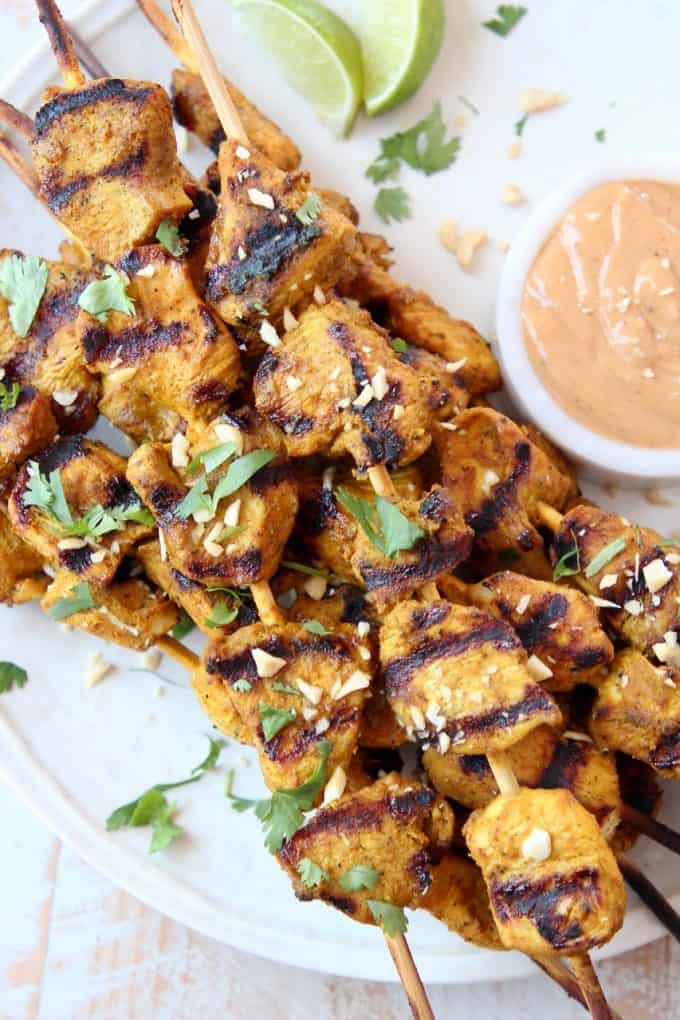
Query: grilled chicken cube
[106,159]
[335,386]
[25,429]
[258,665]
[333,535]
[496,476]
[458,897]
[93,480]
[268,250]
[553,882]
[49,357]
[641,790]
[204,607]
[129,613]
[630,569]
[194,111]
[168,364]
[22,577]
[458,677]
[637,711]
[447,396]
[555,623]
[217,704]
[240,540]
[393,828]
[414,316]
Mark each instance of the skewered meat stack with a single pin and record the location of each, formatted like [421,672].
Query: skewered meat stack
[376,657]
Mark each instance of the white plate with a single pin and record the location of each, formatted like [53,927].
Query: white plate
[75,754]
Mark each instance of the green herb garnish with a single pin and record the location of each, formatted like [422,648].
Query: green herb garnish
[169,236]
[242,686]
[569,563]
[310,873]
[222,615]
[11,676]
[315,627]
[393,204]
[9,396]
[424,146]
[184,627]
[507,16]
[309,210]
[390,531]
[283,688]
[238,473]
[301,568]
[391,919]
[108,295]
[362,876]
[79,601]
[399,345]
[520,124]
[605,555]
[274,719]
[23,280]
[383,168]
[600,135]
[211,459]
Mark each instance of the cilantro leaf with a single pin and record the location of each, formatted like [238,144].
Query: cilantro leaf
[600,135]
[399,346]
[9,397]
[391,919]
[424,146]
[11,676]
[169,236]
[519,124]
[314,627]
[278,685]
[242,686]
[215,748]
[212,458]
[79,601]
[221,615]
[23,280]
[605,555]
[310,873]
[163,829]
[569,562]
[197,498]
[393,204]
[362,876]
[274,719]
[302,568]
[390,531]
[240,471]
[309,210]
[507,16]
[38,491]
[382,169]
[108,295]
[184,627]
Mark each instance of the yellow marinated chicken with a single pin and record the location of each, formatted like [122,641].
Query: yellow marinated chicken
[496,476]
[168,364]
[106,159]
[458,897]
[22,577]
[448,395]
[194,111]
[217,704]
[391,829]
[274,243]
[27,426]
[555,623]
[630,571]
[336,386]
[414,316]
[458,678]
[129,613]
[291,688]
[227,522]
[637,711]
[49,357]
[78,481]
[553,882]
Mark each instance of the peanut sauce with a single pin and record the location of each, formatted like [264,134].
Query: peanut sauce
[601,312]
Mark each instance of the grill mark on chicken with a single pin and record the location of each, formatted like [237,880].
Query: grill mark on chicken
[550,609]
[487,517]
[419,869]
[183,582]
[540,902]
[535,701]
[317,511]
[247,566]
[57,310]
[131,344]
[209,391]
[57,197]
[475,765]
[667,752]
[164,499]
[276,750]
[61,453]
[353,605]
[20,366]
[399,672]
[434,558]
[428,616]
[270,476]
[112,90]
[436,505]
[119,493]
[232,668]
[76,560]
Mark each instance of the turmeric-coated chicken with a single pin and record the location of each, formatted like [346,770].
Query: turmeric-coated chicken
[22,577]
[496,476]
[74,506]
[553,882]
[632,573]
[225,521]
[336,386]
[49,356]
[291,688]
[637,711]
[373,847]
[558,625]
[106,159]
[194,111]
[167,365]
[27,426]
[447,395]
[128,612]
[458,897]
[216,702]
[458,678]
[274,244]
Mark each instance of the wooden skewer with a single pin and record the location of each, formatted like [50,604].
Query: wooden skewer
[381,481]
[267,608]
[167,31]
[650,896]
[20,121]
[61,43]
[86,56]
[549,516]
[20,166]
[655,830]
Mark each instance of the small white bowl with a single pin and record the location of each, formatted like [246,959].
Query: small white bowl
[600,458]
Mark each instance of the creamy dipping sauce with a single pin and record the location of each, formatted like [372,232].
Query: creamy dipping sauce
[601,312]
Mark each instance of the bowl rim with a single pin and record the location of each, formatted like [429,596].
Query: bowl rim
[608,457]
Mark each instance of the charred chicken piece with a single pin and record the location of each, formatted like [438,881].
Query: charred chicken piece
[22,577]
[555,623]
[239,541]
[129,613]
[273,244]
[94,486]
[106,159]
[335,386]
[260,667]
[170,363]
[26,428]
[394,828]
[447,396]
[194,111]
[217,704]
[49,357]
[496,476]
[637,711]
[631,569]
[553,882]
[457,896]
[457,677]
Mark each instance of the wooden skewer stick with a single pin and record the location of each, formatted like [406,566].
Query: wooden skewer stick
[61,42]
[20,121]
[383,485]
[267,609]
[651,828]
[650,896]
[21,167]
[167,31]
[549,516]
[86,56]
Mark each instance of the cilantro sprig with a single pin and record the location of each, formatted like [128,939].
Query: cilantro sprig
[9,396]
[107,295]
[169,236]
[309,210]
[384,524]
[274,719]
[315,627]
[391,919]
[80,600]
[361,876]
[238,473]
[393,204]
[221,615]
[12,676]
[605,555]
[311,874]
[212,458]
[23,280]
[569,562]
[184,627]
[507,17]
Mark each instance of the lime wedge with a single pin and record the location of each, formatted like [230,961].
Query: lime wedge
[316,51]
[400,40]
